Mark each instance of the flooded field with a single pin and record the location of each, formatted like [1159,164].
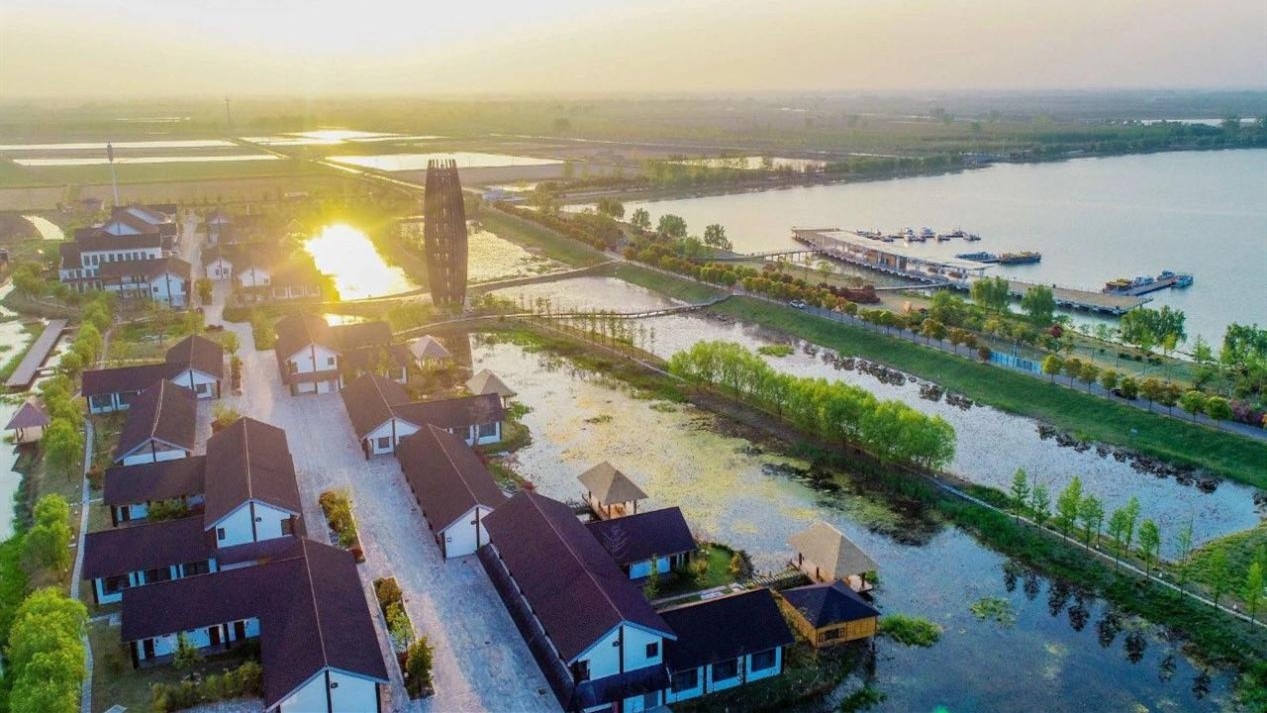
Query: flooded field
[48,229]
[101,145]
[991,444]
[418,161]
[101,160]
[1056,650]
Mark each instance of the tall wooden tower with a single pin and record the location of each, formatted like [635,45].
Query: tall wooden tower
[444,233]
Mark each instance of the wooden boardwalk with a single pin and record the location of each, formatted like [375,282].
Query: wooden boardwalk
[35,356]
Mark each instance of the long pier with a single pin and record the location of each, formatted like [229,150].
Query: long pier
[35,356]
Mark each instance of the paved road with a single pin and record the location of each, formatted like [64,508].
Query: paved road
[480,661]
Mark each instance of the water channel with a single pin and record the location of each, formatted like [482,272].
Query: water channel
[991,444]
[1059,650]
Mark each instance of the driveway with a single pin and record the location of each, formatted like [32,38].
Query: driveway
[480,661]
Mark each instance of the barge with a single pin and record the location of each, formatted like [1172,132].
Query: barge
[1143,285]
[1022,258]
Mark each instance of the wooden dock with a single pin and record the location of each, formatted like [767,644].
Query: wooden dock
[1069,298]
[25,373]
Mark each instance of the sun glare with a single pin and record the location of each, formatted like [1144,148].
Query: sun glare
[348,256]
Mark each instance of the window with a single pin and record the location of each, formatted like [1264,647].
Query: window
[726,670]
[201,388]
[831,634]
[111,585]
[220,533]
[651,700]
[159,574]
[581,670]
[330,361]
[764,660]
[653,650]
[384,442]
[288,526]
[487,430]
[685,680]
[192,568]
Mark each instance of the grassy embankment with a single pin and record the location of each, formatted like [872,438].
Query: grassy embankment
[1088,416]
[539,239]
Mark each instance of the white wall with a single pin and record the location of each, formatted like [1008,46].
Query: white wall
[253,277]
[403,428]
[145,454]
[169,289]
[192,378]
[219,269]
[673,697]
[465,536]
[237,524]
[604,657]
[641,569]
[304,364]
[351,695]
[774,670]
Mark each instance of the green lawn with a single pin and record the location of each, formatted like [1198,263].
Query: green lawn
[1088,416]
[718,573]
[531,235]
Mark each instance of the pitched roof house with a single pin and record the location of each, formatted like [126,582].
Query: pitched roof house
[594,635]
[826,555]
[306,607]
[161,424]
[29,421]
[486,382]
[454,489]
[830,613]
[195,362]
[254,494]
[382,415]
[315,357]
[656,538]
[723,643]
[130,490]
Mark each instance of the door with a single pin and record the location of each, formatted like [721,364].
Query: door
[239,630]
[147,648]
[214,634]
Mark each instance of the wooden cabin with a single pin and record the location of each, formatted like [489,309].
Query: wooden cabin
[609,492]
[826,555]
[830,613]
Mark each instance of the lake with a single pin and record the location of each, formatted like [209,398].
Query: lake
[1064,651]
[991,444]
[1093,219]
[351,259]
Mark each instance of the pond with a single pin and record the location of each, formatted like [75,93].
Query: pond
[418,161]
[348,256]
[991,444]
[1063,651]
[48,230]
[489,257]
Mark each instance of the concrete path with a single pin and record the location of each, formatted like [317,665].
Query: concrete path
[481,663]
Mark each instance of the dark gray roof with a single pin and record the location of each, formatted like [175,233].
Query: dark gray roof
[358,335]
[147,546]
[149,268]
[297,331]
[369,400]
[146,482]
[30,415]
[200,353]
[453,413]
[829,603]
[635,538]
[367,358]
[575,589]
[124,379]
[95,239]
[446,476]
[165,412]
[725,628]
[312,610]
[249,460]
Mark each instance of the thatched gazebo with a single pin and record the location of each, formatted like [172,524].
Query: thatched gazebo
[29,422]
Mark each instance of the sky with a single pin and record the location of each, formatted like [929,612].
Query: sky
[94,48]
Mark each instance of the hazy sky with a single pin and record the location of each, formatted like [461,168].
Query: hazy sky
[172,47]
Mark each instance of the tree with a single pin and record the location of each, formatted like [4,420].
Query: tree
[1183,548]
[1020,491]
[1151,388]
[651,589]
[63,446]
[230,342]
[715,237]
[611,207]
[1193,402]
[1108,379]
[1218,573]
[1040,503]
[640,219]
[46,653]
[1149,543]
[1052,366]
[992,293]
[1253,593]
[418,666]
[933,329]
[1067,505]
[1129,388]
[1040,304]
[671,226]
[1073,368]
[1217,408]
[47,544]
[1091,515]
[205,290]
[187,655]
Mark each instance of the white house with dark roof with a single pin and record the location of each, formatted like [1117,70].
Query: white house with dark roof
[382,415]
[453,488]
[129,491]
[655,539]
[314,357]
[161,424]
[253,495]
[195,362]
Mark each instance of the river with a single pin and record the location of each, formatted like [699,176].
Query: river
[1064,650]
[991,444]
[1093,219]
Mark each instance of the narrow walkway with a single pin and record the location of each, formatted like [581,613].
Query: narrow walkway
[35,356]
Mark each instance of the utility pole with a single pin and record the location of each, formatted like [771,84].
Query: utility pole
[114,180]
[228,117]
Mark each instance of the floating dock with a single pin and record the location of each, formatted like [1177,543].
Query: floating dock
[1084,300]
[25,373]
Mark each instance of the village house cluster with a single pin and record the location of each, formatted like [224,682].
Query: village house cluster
[132,254]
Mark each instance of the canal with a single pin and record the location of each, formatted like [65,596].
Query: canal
[1052,649]
[991,444]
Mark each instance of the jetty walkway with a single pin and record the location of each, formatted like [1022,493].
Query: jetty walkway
[35,356]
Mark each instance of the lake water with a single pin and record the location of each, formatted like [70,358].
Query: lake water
[1065,651]
[418,161]
[348,256]
[991,444]
[1093,220]
[48,230]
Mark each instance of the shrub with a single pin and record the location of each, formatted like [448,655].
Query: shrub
[910,630]
[245,680]
[387,591]
[418,668]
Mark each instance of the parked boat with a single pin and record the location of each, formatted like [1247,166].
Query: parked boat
[1144,284]
[1025,257]
[979,257]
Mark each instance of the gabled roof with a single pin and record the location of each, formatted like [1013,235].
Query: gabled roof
[639,537]
[486,382]
[446,475]
[360,335]
[828,603]
[610,485]
[146,546]
[94,239]
[428,347]
[831,551]
[149,268]
[249,460]
[460,412]
[164,412]
[575,589]
[367,358]
[369,400]
[725,628]
[124,379]
[30,415]
[146,482]
[297,331]
[312,611]
[200,353]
